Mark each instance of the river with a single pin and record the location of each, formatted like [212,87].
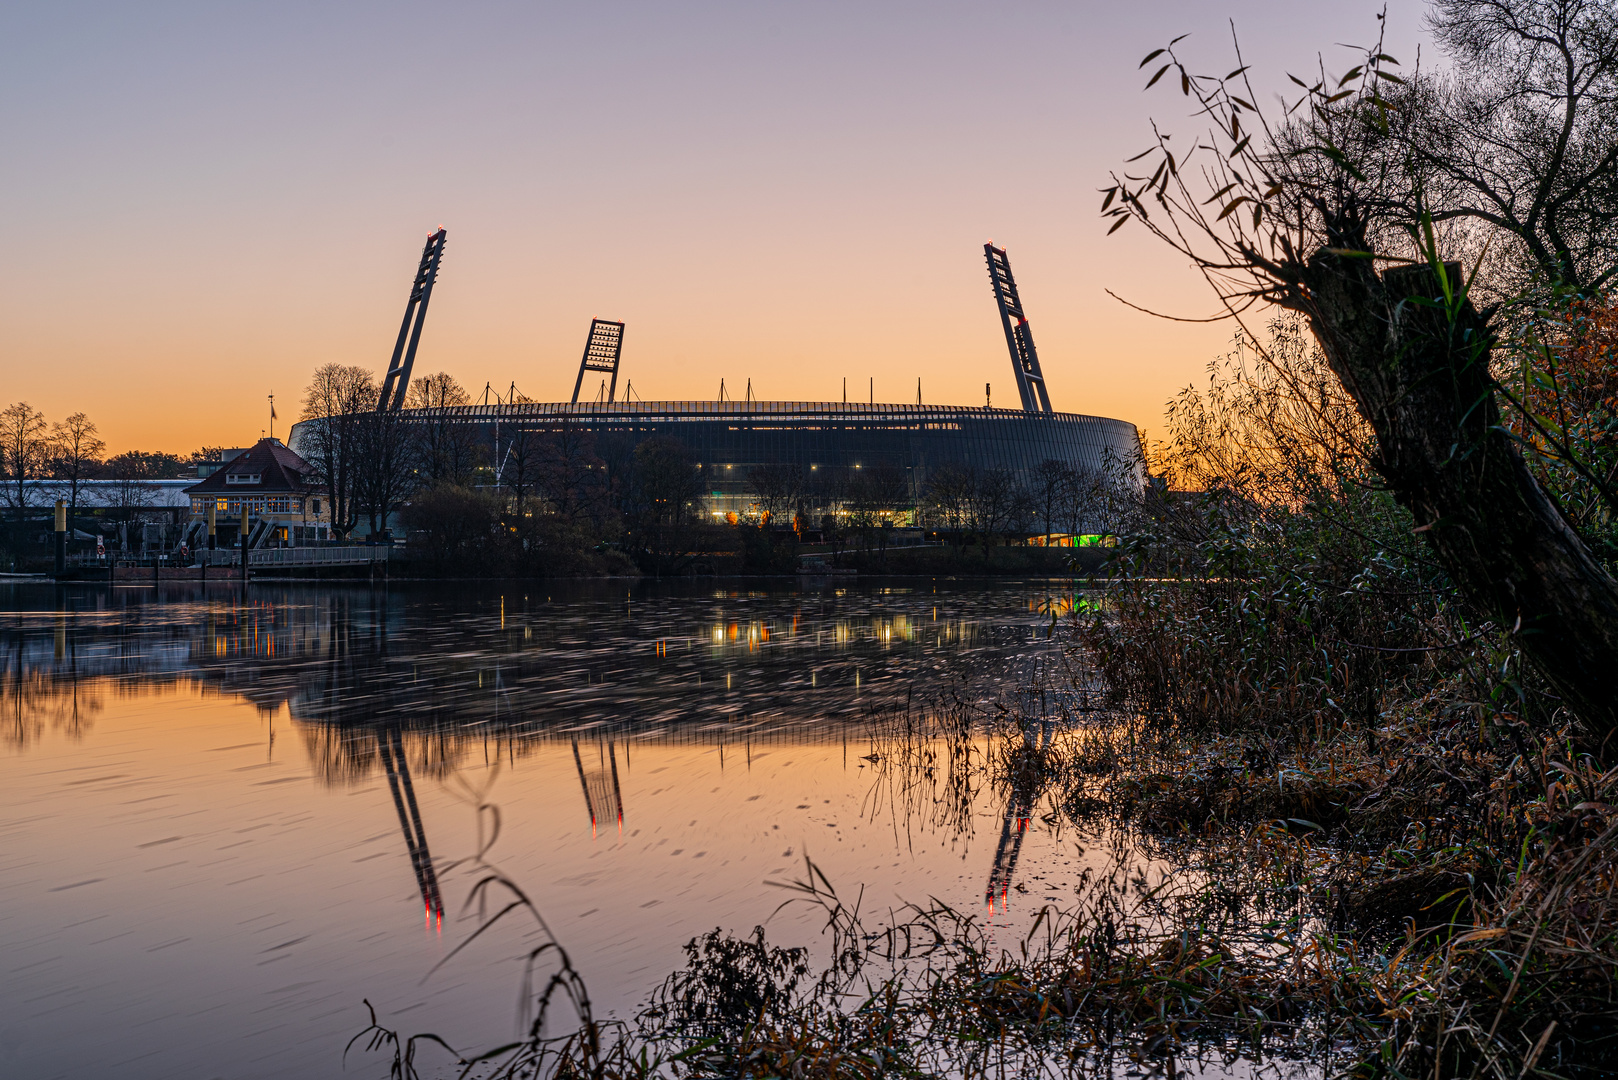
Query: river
[227,820]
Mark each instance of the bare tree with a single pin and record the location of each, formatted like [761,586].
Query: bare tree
[1082,496]
[1305,213]
[669,484]
[75,452]
[569,474]
[384,468]
[1520,135]
[24,451]
[998,502]
[1053,481]
[336,405]
[875,493]
[520,463]
[949,500]
[449,447]
[776,488]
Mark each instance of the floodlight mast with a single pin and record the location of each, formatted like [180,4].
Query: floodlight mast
[602,351]
[397,380]
[1019,339]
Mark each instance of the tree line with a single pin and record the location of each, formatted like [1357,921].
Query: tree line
[69,452]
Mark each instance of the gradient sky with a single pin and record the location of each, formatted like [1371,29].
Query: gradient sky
[203,202]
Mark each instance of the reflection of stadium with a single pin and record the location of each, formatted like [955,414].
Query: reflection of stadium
[379,686]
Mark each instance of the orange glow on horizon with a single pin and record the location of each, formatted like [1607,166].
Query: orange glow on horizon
[847,162]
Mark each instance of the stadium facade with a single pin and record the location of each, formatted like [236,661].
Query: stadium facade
[729,439]
[826,442]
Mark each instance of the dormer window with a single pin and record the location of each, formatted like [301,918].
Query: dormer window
[244,478]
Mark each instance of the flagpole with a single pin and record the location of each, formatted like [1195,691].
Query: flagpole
[272,416]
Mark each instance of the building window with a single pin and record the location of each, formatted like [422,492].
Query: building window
[243,478]
[317,506]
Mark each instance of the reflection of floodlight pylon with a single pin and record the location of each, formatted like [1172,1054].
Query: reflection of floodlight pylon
[1018,811]
[390,744]
[1026,785]
[600,783]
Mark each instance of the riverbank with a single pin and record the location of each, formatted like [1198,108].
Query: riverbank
[1359,913]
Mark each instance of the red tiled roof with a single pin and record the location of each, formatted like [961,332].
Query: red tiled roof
[278,468]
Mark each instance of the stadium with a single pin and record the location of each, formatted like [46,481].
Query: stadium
[818,441]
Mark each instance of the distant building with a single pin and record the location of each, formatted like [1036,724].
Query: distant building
[277,488]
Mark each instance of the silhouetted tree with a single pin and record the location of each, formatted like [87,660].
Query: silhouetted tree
[450,450]
[145,465]
[75,456]
[669,489]
[776,488]
[570,475]
[23,454]
[949,498]
[335,406]
[385,474]
[518,464]
[1335,212]
[1053,481]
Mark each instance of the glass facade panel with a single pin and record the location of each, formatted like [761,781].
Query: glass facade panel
[824,439]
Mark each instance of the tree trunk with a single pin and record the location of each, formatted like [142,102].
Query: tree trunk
[1420,377]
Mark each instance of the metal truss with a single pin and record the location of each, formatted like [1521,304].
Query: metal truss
[1019,339]
[397,380]
[602,350]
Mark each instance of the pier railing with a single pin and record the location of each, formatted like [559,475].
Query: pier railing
[334,555]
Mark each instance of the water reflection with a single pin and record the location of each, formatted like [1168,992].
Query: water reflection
[391,749]
[600,782]
[232,873]
[515,662]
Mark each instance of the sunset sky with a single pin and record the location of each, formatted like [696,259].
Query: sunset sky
[206,201]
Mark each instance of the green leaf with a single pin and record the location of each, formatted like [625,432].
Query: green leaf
[1231,208]
[1112,193]
[1221,193]
[1353,73]
[1239,147]
[1237,72]
[1118,225]
[1158,76]
[1185,83]
[1153,55]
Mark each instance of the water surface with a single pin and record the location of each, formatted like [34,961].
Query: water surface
[226,821]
